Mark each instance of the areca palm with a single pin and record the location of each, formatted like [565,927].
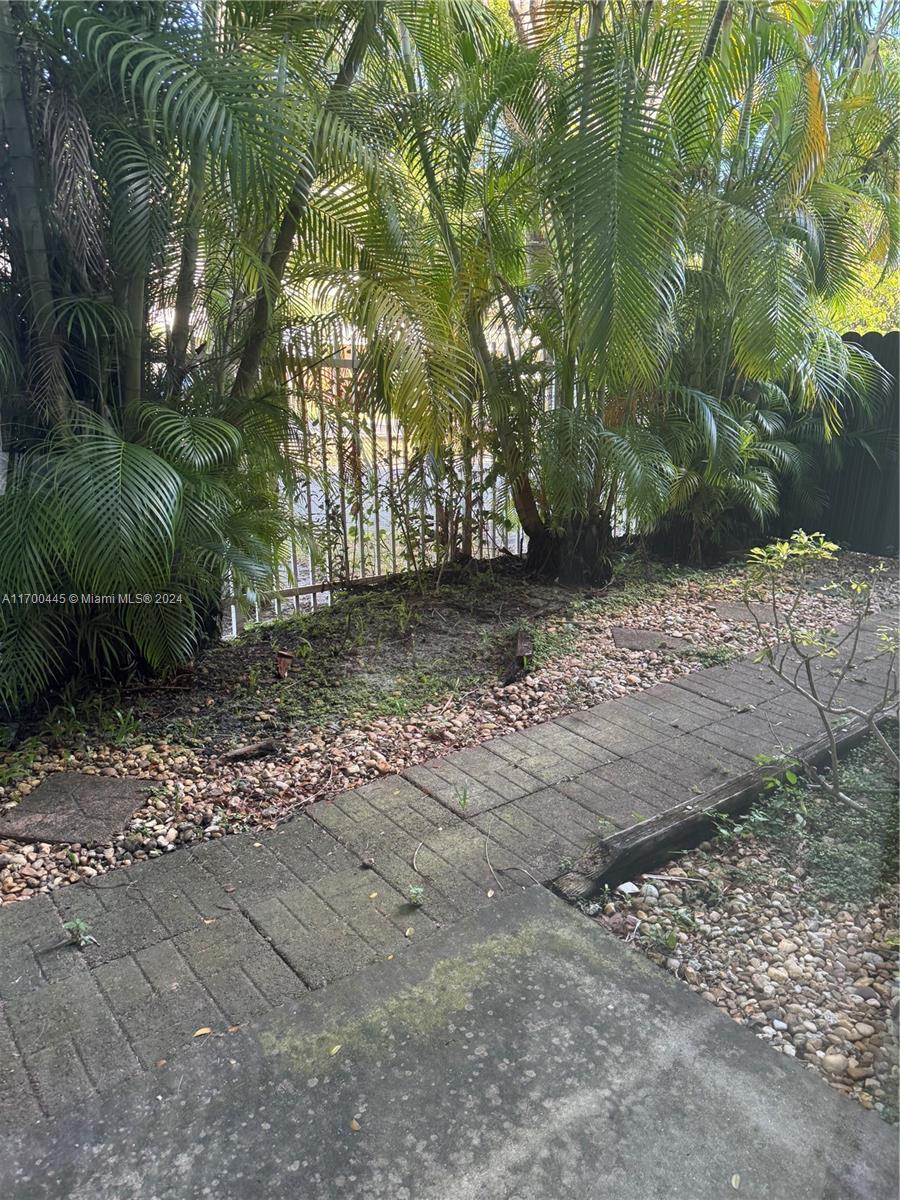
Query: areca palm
[620,229]
[781,215]
[116,486]
[198,196]
[706,182]
[153,149]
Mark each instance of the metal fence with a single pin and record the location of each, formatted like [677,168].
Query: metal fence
[372,504]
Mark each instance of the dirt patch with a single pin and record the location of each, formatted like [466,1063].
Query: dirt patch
[384,679]
[381,651]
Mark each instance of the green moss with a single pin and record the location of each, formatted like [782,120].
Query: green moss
[415,1011]
[425,1007]
[712,656]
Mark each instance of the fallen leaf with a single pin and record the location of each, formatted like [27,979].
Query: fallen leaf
[389,957]
[355,1125]
[161,1062]
[257,845]
[490,893]
[334,1049]
[208,920]
[735,1182]
[203,1032]
[233,1028]
[410,931]
[372,895]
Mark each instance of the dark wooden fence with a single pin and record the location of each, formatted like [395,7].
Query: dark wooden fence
[863,500]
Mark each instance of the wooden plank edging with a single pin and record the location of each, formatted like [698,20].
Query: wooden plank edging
[610,860]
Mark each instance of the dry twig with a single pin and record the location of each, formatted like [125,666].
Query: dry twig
[487,857]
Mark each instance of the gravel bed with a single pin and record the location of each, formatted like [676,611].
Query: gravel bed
[576,664]
[793,933]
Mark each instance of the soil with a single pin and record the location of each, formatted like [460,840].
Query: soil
[386,677]
[376,651]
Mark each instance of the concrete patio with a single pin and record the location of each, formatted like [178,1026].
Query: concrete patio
[490,1040]
[521,1054]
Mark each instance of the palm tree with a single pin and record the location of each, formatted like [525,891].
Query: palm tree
[149,147]
[622,230]
[195,197]
[703,184]
[791,199]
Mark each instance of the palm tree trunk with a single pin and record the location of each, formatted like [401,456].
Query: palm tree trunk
[520,485]
[251,359]
[712,38]
[522,492]
[131,354]
[24,194]
[696,550]
[187,270]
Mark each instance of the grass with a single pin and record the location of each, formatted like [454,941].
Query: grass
[713,656]
[552,641]
[16,765]
[848,857]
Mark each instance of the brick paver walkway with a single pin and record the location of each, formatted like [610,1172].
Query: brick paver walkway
[213,936]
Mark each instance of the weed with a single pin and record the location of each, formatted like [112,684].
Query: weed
[712,656]
[551,641]
[461,797]
[17,765]
[181,733]
[847,854]
[79,933]
[665,941]
[118,726]
[402,615]
[226,821]
[415,894]
[63,723]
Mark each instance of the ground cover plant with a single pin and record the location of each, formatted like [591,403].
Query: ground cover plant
[788,920]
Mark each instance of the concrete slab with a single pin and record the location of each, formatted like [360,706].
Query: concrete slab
[627,638]
[736,611]
[70,806]
[522,1054]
